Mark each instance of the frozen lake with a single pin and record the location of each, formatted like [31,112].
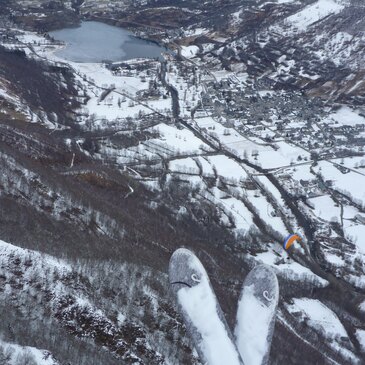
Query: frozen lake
[97,42]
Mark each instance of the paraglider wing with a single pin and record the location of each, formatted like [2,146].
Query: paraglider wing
[289,241]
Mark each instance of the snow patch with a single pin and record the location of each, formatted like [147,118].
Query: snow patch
[314,13]
[189,51]
[23,354]
[319,316]
[326,208]
[360,335]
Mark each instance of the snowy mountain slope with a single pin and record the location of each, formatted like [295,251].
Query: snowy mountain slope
[49,297]
[14,354]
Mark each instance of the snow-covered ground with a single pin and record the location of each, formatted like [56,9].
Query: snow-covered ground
[7,249]
[277,258]
[258,152]
[185,165]
[355,233]
[354,162]
[360,335]
[314,13]
[326,208]
[349,182]
[344,116]
[182,141]
[227,167]
[26,355]
[339,49]
[189,51]
[321,318]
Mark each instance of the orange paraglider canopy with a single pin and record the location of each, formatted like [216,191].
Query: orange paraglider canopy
[289,241]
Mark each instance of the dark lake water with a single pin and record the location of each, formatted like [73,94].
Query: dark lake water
[97,42]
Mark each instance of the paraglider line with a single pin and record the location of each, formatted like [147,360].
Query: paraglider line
[181,282]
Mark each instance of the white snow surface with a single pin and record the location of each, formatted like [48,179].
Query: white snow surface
[314,13]
[184,165]
[253,149]
[325,208]
[351,183]
[206,166]
[319,316]
[325,321]
[291,270]
[227,167]
[355,233]
[267,212]
[360,334]
[7,249]
[242,216]
[339,48]
[41,357]
[189,51]
[182,141]
[353,162]
[200,304]
[345,116]
[334,259]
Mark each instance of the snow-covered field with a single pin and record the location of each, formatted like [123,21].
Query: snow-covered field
[227,167]
[309,16]
[326,208]
[349,182]
[321,318]
[189,51]
[263,154]
[355,233]
[314,13]
[344,116]
[182,141]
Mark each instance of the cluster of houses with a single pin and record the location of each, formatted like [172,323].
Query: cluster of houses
[274,116]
